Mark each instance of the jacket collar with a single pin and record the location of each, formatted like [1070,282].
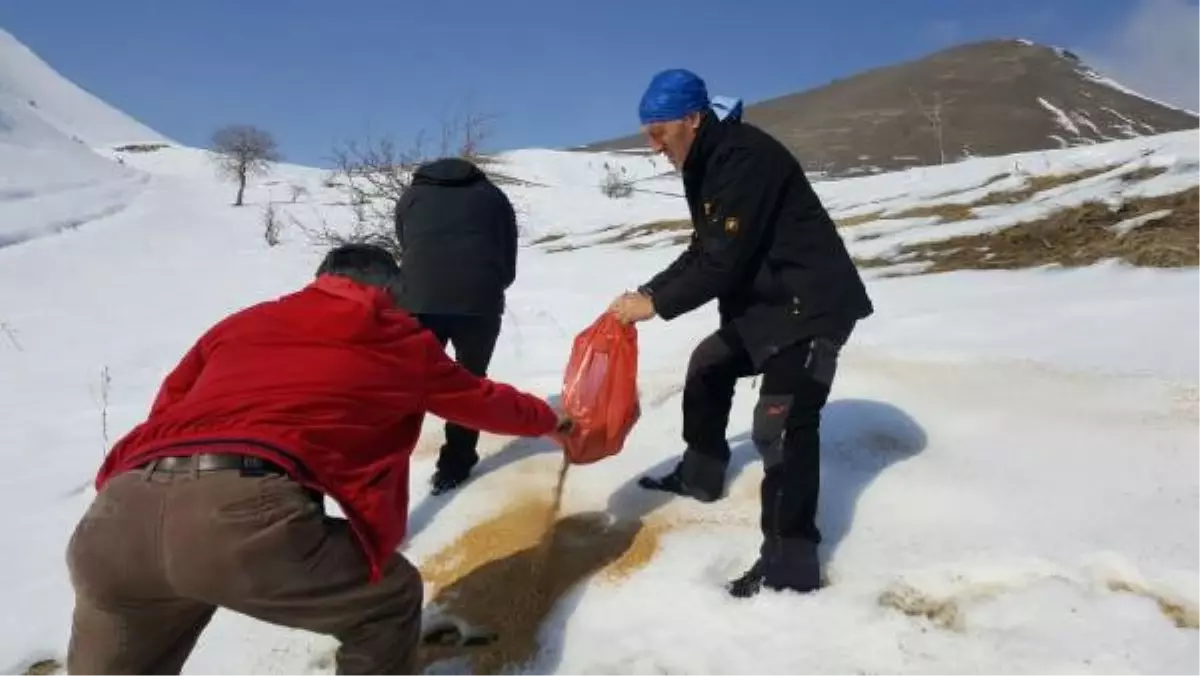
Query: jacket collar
[708,137]
[344,287]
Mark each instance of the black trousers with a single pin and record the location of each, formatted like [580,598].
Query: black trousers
[786,430]
[473,338]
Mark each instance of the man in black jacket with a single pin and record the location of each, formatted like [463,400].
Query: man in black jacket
[788,297]
[458,237]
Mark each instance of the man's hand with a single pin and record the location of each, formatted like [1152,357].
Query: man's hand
[565,425]
[632,307]
[562,432]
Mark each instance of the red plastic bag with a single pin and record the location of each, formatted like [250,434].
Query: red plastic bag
[600,390]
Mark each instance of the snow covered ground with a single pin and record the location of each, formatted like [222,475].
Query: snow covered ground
[1010,458]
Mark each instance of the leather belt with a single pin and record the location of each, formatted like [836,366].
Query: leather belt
[209,462]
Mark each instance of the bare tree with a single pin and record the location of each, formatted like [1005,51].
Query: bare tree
[297,191]
[242,151]
[933,113]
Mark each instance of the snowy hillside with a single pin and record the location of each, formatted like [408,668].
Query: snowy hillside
[51,177]
[1010,455]
[64,105]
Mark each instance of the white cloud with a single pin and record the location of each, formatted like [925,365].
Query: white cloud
[1155,50]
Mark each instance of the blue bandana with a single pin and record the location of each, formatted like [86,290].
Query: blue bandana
[671,95]
[675,93]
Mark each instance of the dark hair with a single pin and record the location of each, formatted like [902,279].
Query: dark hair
[364,263]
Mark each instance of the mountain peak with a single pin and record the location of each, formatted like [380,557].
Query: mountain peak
[984,98]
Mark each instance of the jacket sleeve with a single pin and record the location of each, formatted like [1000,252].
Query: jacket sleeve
[726,242]
[456,395]
[398,215]
[671,271]
[510,243]
[179,381]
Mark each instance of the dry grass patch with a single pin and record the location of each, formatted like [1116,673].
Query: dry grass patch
[852,221]
[44,668]
[1074,237]
[629,234]
[1180,613]
[1036,184]
[1143,174]
[956,212]
[942,612]
[995,179]
[646,229]
[947,213]
[947,612]
[546,239]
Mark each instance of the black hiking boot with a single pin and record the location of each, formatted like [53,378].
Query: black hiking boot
[444,482]
[695,476]
[673,483]
[785,565]
[792,564]
[749,584]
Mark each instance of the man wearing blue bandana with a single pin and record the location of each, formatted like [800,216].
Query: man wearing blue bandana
[788,298]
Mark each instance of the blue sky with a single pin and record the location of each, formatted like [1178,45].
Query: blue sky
[555,72]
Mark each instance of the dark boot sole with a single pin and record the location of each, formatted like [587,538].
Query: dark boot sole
[654,484]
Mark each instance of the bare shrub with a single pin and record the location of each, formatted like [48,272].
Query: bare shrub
[326,236]
[101,397]
[616,183]
[11,333]
[375,172]
[241,151]
[296,191]
[271,225]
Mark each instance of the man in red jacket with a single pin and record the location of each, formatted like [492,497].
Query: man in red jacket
[216,500]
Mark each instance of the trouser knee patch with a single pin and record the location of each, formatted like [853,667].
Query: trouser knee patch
[770,422]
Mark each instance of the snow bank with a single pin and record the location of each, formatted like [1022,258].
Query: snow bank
[49,182]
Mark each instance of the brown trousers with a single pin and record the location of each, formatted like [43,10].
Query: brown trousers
[157,553]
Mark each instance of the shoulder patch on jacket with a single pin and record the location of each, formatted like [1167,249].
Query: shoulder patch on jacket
[731,225]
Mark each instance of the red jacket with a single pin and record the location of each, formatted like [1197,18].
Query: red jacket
[331,382]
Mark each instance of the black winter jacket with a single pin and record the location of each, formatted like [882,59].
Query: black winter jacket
[458,238]
[762,244]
